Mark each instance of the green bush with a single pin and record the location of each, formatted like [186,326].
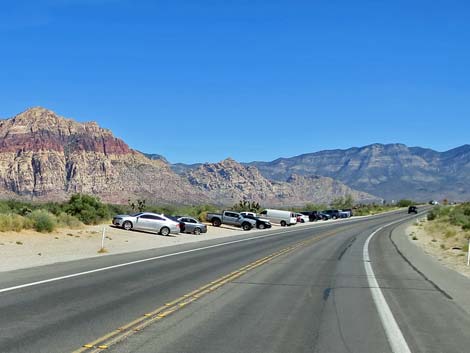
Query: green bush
[88,209]
[43,221]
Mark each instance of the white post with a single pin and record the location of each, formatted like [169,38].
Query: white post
[102,237]
[468,253]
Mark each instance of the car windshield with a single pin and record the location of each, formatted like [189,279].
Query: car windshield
[136,214]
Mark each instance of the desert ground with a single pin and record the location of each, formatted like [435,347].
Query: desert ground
[447,250]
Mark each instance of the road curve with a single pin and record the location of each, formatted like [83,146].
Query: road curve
[314,297]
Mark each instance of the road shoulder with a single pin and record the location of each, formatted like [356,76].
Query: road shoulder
[449,281]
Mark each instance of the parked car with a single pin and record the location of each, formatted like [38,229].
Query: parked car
[312,215]
[147,221]
[324,216]
[334,214]
[261,223]
[230,218]
[301,218]
[349,210]
[282,217]
[412,209]
[191,225]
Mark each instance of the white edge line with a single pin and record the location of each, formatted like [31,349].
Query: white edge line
[78,274]
[101,269]
[394,335]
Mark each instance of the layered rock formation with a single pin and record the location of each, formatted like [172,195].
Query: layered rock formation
[229,182]
[45,156]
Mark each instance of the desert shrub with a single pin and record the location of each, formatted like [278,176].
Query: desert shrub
[432,215]
[118,209]
[405,203]
[88,209]
[202,216]
[43,221]
[66,220]
[13,222]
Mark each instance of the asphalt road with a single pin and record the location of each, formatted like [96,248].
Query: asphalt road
[314,298]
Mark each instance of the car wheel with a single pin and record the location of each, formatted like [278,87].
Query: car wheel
[246,226]
[197,231]
[127,225]
[283,223]
[302,221]
[216,222]
[165,231]
[261,226]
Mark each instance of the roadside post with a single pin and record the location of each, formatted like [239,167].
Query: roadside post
[102,249]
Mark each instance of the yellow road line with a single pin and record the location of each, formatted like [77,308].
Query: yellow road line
[169,308]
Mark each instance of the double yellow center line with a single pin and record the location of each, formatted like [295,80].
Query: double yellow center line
[169,308]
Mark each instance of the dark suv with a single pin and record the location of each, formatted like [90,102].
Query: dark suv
[412,209]
[333,213]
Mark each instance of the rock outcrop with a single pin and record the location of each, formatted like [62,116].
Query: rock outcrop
[229,182]
[45,156]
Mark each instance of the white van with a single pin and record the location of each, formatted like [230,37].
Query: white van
[284,218]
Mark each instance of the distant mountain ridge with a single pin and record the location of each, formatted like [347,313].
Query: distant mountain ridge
[44,156]
[391,171]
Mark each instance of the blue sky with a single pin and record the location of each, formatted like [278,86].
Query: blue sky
[254,80]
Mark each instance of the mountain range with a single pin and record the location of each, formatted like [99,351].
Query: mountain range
[391,171]
[44,156]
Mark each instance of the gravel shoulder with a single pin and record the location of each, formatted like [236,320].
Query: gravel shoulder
[448,251]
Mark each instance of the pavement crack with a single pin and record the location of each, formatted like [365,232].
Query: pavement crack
[346,248]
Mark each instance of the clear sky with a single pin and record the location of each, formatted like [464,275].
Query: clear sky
[251,79]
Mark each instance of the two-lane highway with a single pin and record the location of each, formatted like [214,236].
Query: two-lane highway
[312,294]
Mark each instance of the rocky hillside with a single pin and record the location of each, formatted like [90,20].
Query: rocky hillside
[391,171]
[229,182]
[45,156]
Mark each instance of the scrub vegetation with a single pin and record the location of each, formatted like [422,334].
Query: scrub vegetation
[449,226]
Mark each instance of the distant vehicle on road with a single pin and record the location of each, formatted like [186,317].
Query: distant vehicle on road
[147,221]
[412,209]
[334,214]
[192,226]
[261,223]
[231,218]
[282,217]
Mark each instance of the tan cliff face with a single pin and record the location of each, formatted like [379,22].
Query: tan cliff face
[45,156]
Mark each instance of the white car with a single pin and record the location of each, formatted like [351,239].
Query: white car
[147,221]
[302,218]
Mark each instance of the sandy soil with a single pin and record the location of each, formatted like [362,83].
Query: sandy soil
[446,250]
[28,248]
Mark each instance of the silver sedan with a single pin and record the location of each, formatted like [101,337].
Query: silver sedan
[192,226]
[151,222]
